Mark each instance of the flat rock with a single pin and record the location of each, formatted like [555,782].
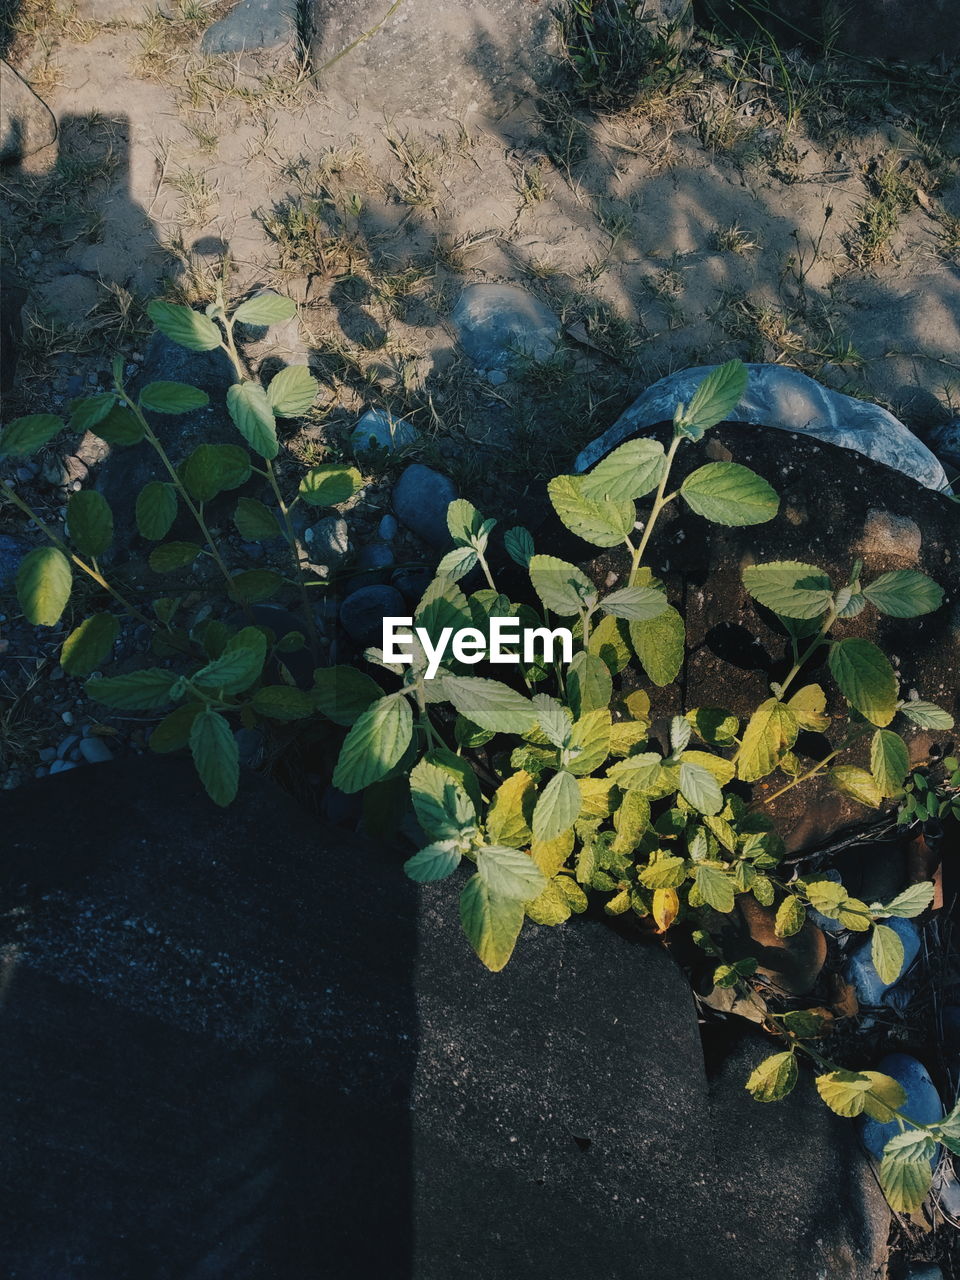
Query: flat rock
[498,323]
[790,401]
[420,499]
[254,26]
[379,429]
[216,1058]
[26,123]
[450,56]
[923,1103]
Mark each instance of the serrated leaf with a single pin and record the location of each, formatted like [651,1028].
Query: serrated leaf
[88,411]
[435,862]
[156,509]
[252,415]
[292,391]
[443,808]
[212,468]
[790,917]
[844,1091]
[265,309]
[774,1078]
[913,901]
[715,887]
[809,706]
[89,522]
[905,1182]
[826,896]
[700,788]
[343,693]
[254,585]
[885,1097]
[255,521]
[659,644]
[26,435]
[172,397]
[330,485]
[589,743]
[376,743]
[551,907]
[553,719]
[628,473]
[717,396]
[601,522]
[638,773]
[238,666]
[609,641]
[44,580]
[88,645]
[770,731]
[889,761]
[519,545]
[865,678]
[492,924]
[667,872]
[557,807]
[904,593]
[856,783]
[145,690]
[508,873]
[173,731]
[120,426]
[490,704]
[790,588]
[926,715]
[215,755]
[589,684]
[729,494]
[184,326]
[561,586]
[457,563]
[170,556]
[511,811]
[635,604]
[886,952]
[282,702]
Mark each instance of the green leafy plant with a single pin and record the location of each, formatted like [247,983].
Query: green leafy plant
[616,52]
[931,793]
[227,670]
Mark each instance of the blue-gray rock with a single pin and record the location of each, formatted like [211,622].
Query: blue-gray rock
[412,582]
[499,323]
[254,26]
[329,540]
[362,614]
[12,551]
[95,751]
[387,528]
[859,969]
[420,499]
[923,1102]
[923,1273]
[945,443]
[372,566]
[379,429]
[790,401]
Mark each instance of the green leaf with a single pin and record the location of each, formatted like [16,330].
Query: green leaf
[857,784]
[511,812]
[790,588]
[330,484]
[926,715]
[90,522]
[885,1097]
[886,952]
[551,907]
[866,679]
[638,773]
[292,391]
[87,645]
[490,704]
[255,522]
[435,862]
[211,468]
[730,494]
[184,326]
[265,309]
[492,924]
[700,788]
[790,917]
[589,743]
[44,580]
[609,642]
[156,509]
[343,693]
[172,397]
[561,586]
[904,593]
[443,808]
[827,896]
[457,563]
[26,435]
[557,807]
[913,901]
[170,556]
[519,545]
[254,585]
[144,690]
[889,761]
[666,873]
[770,731]
[238,666]
[508,873]
[629,472]
[282,702]
[774,1077]
[600,522]
[589,684]
[376,743]
[844,1091]
[215,754]
[715,886]
[808,705]
[636,604]
[173,731]
[464,521]
[253,417]
[659,644]
[88,411]
[553,719]
[717,396]
[906,1182]
[121,426]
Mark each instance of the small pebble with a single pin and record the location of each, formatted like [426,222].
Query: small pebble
[387,528]
[67,745]
[67,717]
[48,755]
[95,751]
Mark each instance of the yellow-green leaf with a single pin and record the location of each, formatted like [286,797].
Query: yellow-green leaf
[770,732]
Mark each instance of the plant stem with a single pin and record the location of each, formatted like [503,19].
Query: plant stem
[812,772]
[659,502]
[291,540]
[815,644]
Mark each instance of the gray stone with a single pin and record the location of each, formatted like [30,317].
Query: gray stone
[26,124]
[363,612]
[444,57]
[496,377]
[67,745]
[923,1273]
[412,582]
[69,299]
[789,400]
[499,323]
[378,429]
[12,551]
[945,443]
[241,1089]
[136,12]
[254,26]
[923,1102]
[859,969]
[420,499]
[372,565]
[95,751]
[387,528]
[329,540]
